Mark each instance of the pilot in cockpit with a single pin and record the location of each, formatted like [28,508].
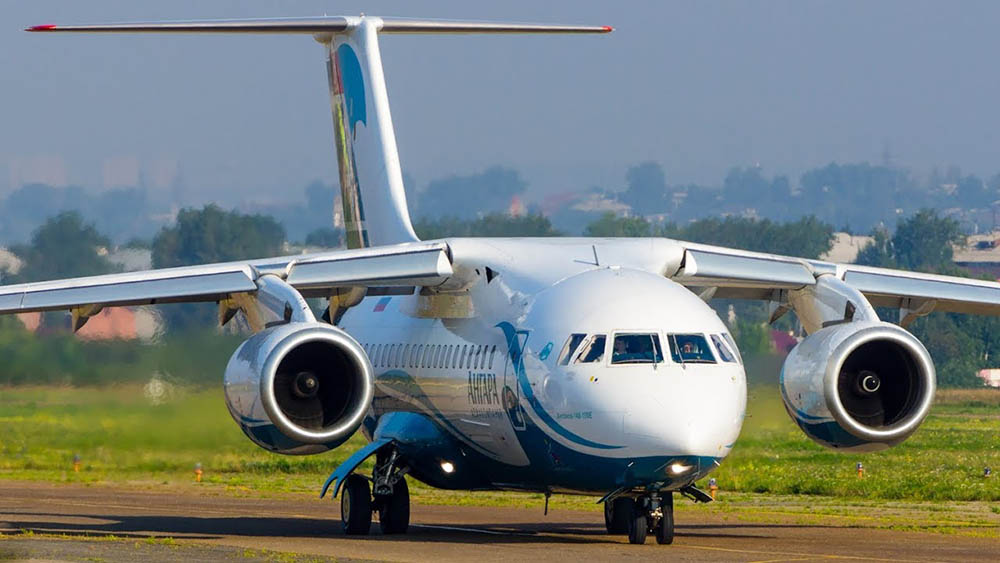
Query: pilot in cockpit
[631,348]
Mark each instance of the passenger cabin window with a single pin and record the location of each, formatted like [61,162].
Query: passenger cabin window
[593,350]
[572,343]
[723,349]
[638,348]
[690,349]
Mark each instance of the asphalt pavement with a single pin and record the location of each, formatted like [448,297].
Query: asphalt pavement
[60,522]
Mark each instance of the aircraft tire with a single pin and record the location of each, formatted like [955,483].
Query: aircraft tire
[616,515]
[665,529]
[356,506]
[394,509]
[638,525]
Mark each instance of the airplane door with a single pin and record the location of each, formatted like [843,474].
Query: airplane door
[514,365]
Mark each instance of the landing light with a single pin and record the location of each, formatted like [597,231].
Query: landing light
[447,467]
[678,468]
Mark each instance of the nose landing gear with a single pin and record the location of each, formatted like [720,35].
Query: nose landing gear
[639,517]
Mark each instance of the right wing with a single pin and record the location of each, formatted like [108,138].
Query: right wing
[741,274]
[416,264]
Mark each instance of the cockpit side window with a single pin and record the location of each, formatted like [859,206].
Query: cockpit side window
[724,352]
[638,348]
[572,343]
[732,346]
[593,350]
[690,349]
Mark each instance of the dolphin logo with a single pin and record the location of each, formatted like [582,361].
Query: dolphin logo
[353,81]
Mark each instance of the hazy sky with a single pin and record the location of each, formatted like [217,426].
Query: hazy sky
[697,86]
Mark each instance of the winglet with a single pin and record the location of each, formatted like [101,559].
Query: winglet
[46,27]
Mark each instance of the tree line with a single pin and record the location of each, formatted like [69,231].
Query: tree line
[856,197]
[67,246]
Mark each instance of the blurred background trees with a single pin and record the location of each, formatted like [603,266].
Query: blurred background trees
[914,223]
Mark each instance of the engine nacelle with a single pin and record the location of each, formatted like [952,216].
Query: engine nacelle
[858,386]
[299,388]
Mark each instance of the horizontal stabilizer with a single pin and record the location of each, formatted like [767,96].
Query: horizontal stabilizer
[323,24]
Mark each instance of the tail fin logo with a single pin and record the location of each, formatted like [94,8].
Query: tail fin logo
[352,82]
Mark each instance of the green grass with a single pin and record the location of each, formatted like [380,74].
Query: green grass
[122,438]
[943,460]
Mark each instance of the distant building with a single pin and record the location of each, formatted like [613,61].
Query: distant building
[597,203]
[980,255]
[990,377]
[9,263]
[846,247]
[131,259]
[783,341]
[516,207]
[113,323]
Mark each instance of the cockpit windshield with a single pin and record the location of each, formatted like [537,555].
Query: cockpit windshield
[641,348]
[593,350]
[690,349]
[572,343]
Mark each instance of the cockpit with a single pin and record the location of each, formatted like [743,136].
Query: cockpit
[644,347]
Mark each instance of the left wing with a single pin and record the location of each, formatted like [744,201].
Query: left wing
[741,274]
[416,264]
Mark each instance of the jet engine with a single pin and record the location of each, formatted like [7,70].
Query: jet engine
[299,388]
[858,386]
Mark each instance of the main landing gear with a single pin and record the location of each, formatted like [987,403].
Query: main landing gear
[638,517]
[389,496]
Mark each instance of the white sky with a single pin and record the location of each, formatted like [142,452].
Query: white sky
[697,86]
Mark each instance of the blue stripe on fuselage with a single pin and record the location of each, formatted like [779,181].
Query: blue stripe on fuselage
[517,362]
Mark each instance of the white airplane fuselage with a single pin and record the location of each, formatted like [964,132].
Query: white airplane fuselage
[489,366]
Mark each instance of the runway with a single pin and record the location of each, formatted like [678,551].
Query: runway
[219,527]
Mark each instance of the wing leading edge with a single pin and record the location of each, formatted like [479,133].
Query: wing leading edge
[312,274]
[740,274]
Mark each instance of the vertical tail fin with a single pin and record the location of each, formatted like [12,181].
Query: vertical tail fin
[371,181]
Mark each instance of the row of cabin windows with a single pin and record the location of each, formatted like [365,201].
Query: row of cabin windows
[431,356]
[644,348]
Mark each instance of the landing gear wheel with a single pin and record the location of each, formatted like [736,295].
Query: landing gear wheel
[616,515]
[637,524]
[394,509]
[356,506]
[665,528]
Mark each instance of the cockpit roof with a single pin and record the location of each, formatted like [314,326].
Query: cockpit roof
[619,299]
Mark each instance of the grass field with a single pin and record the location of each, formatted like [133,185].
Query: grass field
[122,438]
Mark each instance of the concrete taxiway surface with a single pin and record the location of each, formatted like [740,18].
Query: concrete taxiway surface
[222,527]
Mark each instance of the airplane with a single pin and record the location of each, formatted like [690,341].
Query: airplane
[591,366]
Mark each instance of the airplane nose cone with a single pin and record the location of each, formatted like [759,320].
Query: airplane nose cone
[702,419]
